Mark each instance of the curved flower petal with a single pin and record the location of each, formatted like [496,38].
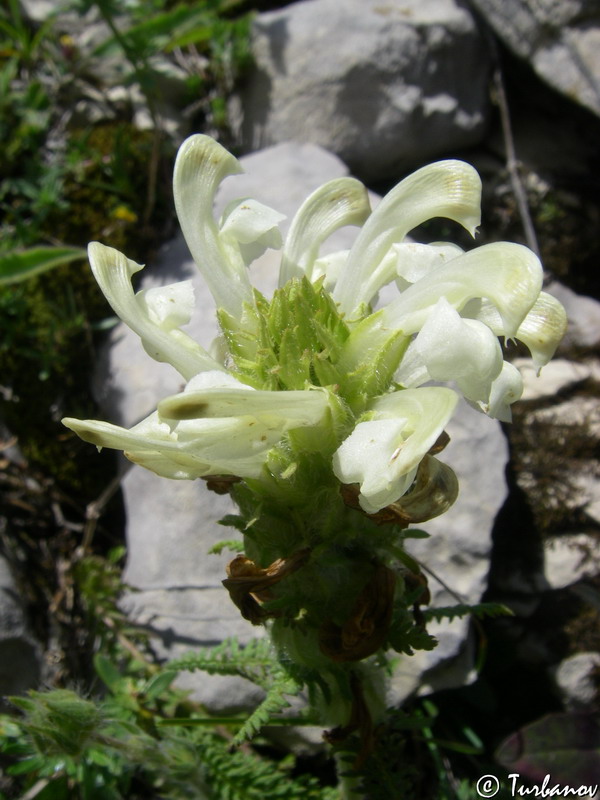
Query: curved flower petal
[383,454]
[415,260]
[542,329]
[154,315]
[340,202]
[509,275]
[449,189]
[412,371]
[170,306]
[200,167]
[253,226]
[329,267]
[229,445]
[506,390]
[461,350]
[289,409]
[148,434]
[219,426]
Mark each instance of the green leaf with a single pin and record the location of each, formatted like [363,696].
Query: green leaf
[480,610]
[20,265]
[107,671]
[458,747]
[54,789]
[158,683]
[203,33]
[274,702]
[415,533]
[32,764]
[227,544]
[255,661]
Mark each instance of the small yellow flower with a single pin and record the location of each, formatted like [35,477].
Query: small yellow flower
[125,214]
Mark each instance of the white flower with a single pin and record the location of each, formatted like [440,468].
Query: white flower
[383,453]
[316,369]
[217,425]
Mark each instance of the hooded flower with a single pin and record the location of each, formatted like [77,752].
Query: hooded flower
[316,370]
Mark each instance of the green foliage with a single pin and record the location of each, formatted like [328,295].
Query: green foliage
[406,635]
[238,776]
[65,181]
[60,722]
[67,746]
[257,663]
[20,265]
[227,544]
[274,702]
[479,611]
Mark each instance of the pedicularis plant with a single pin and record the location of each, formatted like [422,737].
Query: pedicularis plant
[316,412]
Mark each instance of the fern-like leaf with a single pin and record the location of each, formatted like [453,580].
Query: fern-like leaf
[245,776]
[256,661]
[274,702]
[235,545]
[480,610]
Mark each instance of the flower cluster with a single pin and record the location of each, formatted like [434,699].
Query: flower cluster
[316,369]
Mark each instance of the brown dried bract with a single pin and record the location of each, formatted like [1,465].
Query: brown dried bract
[221,484]
[248,584]
[364,632]
[440,443]
[434,490]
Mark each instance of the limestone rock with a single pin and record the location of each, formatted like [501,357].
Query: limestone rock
[575,681]
[558,375]
[381,84]
[569,558]
[20,654]
[583,314]
[556,462]
[559,38]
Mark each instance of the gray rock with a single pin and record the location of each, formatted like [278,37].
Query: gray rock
[583,314]
[575,681]
[559,38]
[557,376]
[20,654]
[569,558]
[172,524]
[38,10]
[563,477]
[382,85]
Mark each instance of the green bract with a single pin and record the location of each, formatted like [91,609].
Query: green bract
[315,376]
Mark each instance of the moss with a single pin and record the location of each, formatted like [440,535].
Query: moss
[114,168]
[47,353]
[49,344]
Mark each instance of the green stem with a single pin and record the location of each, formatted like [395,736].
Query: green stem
[349,786]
